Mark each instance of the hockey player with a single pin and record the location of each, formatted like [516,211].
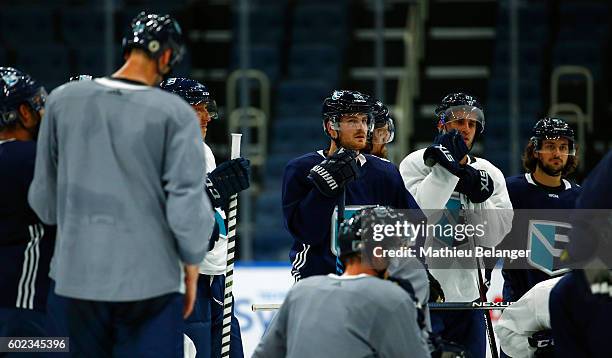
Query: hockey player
[119,169]
[354,315]
[523,328]
[314,183]
[581,303]
[444,175]
[204,326]
[383,132]
[26,244]
[549,157]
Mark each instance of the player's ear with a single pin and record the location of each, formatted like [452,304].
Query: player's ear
[330,129]
[27,115]
[164,59]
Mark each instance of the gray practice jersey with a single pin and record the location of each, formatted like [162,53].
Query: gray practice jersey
[119,169]
[344,316]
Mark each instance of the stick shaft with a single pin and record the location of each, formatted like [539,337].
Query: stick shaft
[444,306]
[231,249]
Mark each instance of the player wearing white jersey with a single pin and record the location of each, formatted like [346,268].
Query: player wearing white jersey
[204,326]
[445,176]
[525,320]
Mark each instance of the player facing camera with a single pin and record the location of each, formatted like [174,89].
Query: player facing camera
[348,119]
[551,149]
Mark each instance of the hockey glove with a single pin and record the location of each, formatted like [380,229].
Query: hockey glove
[543,342]
[335,172]
[448,150]
[435,289]
[476,184]
[227,179]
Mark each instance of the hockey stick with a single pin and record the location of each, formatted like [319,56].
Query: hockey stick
[443,306]
[488,322]
[231,248]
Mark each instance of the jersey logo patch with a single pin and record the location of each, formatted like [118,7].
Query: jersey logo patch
[547,240]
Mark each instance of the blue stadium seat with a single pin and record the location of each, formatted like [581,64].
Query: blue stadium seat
[262,57]
[81,25]
[320,23]
[301,97]
[276,162]
[26,26]
[266,24]
[315,61]
[47,63]
[580,53]
[575,14]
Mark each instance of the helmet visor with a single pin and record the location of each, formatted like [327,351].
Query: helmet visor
[550,144]
[354,121]
[464,112]
[211,108]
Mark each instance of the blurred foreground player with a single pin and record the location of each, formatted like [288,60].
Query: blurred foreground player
[581,303]
[446,176]
[119,169]
[205,324]
[26,244]
[313,184]
[357,314]
[523,328]
[549,157]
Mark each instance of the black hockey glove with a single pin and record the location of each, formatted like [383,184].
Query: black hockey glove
[435,289]
[448,149]
[335,172]
[227,179]
[543,342]
[475,183]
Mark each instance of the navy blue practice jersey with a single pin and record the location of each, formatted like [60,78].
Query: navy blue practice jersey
[541,224]
[26,245]
[307,213]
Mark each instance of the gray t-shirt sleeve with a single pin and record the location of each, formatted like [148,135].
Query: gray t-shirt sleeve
[42,194]
[402,335]
[188,210]
[274,342]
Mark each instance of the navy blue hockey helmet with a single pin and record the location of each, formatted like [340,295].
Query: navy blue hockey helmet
[154,34]
[17,87]
[384,127]
[193,92]
[358,234]
[80,78]
[553,128]
[346,102]
[459,105]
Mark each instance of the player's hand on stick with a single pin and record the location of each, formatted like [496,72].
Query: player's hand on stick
[227,179]
[331,176]
[448,149]
[191,287]
[476,184]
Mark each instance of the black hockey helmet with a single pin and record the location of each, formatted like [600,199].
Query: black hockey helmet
[456,106]
[17,87]
[154,34]
[193,92]
[358,233]
[553,128]
[382,119]
[346,102]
